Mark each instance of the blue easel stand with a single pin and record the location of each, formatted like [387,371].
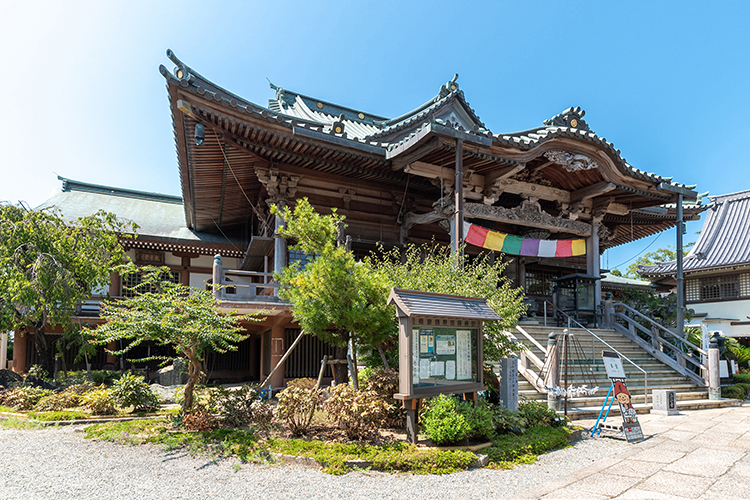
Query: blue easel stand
[597,429]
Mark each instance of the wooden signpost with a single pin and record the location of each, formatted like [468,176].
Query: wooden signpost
[440,347]
[619,391]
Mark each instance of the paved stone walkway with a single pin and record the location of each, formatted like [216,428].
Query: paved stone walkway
[697,454]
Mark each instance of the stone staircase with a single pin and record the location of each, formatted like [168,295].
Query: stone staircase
[690,395]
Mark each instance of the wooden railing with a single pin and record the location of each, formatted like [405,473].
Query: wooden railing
[235,290]
[660,342]
[529,364]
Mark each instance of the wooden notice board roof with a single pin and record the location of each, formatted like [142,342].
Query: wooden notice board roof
[414,303]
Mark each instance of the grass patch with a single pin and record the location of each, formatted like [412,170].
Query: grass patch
[509,450]
[506,451]
[21,423]
[51,416]
[7,409]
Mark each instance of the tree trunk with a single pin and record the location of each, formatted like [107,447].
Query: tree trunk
[194,373]
[44,350]
[341,370]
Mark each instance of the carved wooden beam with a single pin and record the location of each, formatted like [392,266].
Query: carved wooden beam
[529,189]
[527,214]
[412,219]
[591,191]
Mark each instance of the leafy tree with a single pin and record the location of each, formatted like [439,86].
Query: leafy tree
[48,266]
[186,318]
[433,269]
[660,255]
[333,297]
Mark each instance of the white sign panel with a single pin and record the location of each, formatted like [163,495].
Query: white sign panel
[613,364]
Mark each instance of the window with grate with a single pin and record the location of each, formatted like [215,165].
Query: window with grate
[540,282]
[745,285]
[693,290]
[130,281]
[301,257]
[720,287]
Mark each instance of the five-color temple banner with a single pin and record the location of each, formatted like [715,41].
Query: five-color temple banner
[517,245]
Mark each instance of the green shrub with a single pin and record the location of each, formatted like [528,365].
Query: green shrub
[536,413]
[99,401]
[234,407]
[741,378]
[507,421]
[443,421]
[358,413]
[744,386]
[297,405]
[510,448]
[39,372]
[23,398]
[132,390]
[480,419]
[733,392]
[58,401]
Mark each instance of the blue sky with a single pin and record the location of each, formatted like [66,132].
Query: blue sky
[666,82]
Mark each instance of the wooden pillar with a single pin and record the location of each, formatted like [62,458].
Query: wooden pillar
[279,251]
[114,285]
[278,348]
[458,225]
[592,261]
[19,352]
[111,358]
[185,274]
[3,350]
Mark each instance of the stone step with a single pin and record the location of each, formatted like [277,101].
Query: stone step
[689,404]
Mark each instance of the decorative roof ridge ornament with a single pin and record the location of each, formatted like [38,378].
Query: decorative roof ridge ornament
[571,117]
[571,162]
[449,87]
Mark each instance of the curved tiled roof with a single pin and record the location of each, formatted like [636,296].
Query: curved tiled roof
[724,240]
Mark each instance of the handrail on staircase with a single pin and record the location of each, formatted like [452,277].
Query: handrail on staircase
[656,345]
[645,373]
[531,339]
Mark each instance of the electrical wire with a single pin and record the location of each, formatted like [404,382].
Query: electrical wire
[639,253]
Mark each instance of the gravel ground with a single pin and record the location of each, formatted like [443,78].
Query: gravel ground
[59,464]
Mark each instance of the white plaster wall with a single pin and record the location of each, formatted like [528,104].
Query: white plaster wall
[207,261]
[199,280]
[738,310]
[171,260]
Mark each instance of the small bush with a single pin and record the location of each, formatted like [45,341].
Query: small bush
[741,378]
[358,413]
[481,421]
[733,392]
[443,422]
[200,419]
[297,405]
[99,401]
[509,449]
[39,372]
[385,384]
[23,398]
[536,413]
[58,401]
[744,386]
[234,407]
[506,421]
[132,390]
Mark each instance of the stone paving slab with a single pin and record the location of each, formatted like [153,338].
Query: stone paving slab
[675,484]
[699,454]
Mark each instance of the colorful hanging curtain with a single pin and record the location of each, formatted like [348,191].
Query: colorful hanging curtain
[516,245]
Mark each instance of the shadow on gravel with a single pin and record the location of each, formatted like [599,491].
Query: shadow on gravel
[174,456]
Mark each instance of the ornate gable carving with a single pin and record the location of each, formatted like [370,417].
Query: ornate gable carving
[571,162]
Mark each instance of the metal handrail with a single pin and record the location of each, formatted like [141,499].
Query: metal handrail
[662,327]
[645,373]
